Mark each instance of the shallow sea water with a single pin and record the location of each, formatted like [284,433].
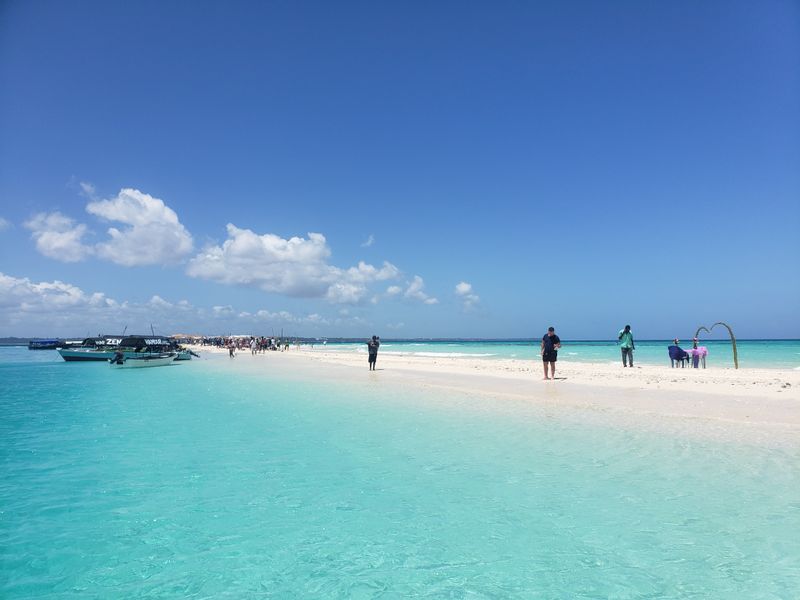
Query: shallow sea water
[192,481]
[764,354]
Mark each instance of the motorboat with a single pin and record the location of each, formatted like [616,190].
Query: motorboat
[136,344]
[94,348]
[145,344]
[44,344]
[145,359]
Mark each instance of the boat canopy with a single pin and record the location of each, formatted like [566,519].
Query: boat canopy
[44,344]
[145,341]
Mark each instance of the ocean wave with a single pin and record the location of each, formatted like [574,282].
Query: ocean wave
[441,354]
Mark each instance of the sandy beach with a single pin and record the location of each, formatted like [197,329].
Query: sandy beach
[763,404]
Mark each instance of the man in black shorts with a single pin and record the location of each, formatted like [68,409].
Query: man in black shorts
[372,350]
[550,345]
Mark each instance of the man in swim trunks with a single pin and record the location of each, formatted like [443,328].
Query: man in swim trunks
[550,345]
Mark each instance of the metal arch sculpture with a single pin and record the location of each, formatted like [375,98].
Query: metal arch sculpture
[733,339]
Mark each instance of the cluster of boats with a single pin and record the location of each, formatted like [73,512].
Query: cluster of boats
[128,351]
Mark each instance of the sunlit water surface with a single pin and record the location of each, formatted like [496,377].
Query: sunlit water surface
[191,481]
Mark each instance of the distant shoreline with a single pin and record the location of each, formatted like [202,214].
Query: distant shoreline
[23,341]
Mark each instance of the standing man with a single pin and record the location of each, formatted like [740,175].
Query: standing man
[550,345]
[372,349]
[626,343]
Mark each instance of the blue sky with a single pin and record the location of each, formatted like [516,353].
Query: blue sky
[494,168]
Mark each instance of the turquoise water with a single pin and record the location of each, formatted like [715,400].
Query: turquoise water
[196,481]
[784,354]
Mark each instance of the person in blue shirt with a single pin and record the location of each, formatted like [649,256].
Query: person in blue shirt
[626,344]
[550,345]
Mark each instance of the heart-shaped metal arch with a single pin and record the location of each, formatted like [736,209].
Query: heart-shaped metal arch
[733,339]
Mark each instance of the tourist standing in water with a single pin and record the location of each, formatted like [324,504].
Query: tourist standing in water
[549,349]
[626,344]
[372,349]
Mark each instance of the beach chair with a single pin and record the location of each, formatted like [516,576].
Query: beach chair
[678,355]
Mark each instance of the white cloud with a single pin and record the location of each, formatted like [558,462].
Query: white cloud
[59,236]
[223,311]
[153,233]
[4,224]
[158,302]
[394,290]
[351,321]
[287,317]
[463,288]
[27,296]
[31,308]
[294,267]
[88,190]
[415,291]
[282,315]
[365,273]
[468,298]
[369,241]
[345,293]
[395,326]
[56,308]
[183,306]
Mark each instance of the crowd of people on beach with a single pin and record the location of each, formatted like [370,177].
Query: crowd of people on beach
[255,344]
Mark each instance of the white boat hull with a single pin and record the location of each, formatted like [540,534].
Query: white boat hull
[154,360]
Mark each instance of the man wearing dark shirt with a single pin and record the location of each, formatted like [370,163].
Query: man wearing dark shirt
[372,350]
[550,345]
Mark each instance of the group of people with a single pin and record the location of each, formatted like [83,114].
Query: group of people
[549,349]
[253,343]
[694,357]
[551,344]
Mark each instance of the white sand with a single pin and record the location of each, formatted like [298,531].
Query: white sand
[765,402]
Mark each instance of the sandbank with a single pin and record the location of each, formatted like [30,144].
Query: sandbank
[763,405]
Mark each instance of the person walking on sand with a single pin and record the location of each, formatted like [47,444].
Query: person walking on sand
[549,349]
[626,343]
[372,349]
